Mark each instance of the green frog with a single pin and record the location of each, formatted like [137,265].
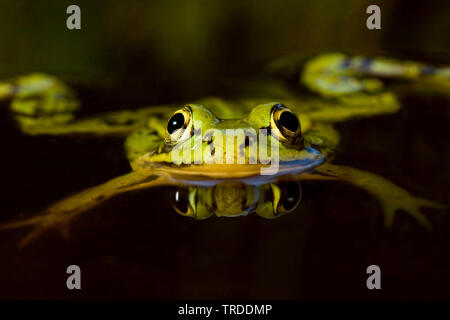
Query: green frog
[231,155]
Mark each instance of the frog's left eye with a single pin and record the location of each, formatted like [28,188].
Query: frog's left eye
[285,125]
[181,202]
[179,126]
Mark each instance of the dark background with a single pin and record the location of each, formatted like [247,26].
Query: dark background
[130,54]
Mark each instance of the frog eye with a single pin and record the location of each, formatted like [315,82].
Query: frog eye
[285,125]
[179,126]
[287,196]
[181,201]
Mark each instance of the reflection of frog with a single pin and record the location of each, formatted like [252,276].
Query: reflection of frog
[236,198]
[302,132]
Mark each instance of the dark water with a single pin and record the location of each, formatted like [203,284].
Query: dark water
[137,246]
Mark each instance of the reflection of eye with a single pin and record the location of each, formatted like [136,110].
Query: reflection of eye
[285,125]
[179,126]
[181,202]
[289,197]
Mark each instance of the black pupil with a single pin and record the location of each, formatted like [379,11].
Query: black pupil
[289,121]
[181,200]
[175,123]
[291,195]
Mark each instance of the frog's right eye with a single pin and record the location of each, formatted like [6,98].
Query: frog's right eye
[179,126]
[287,196]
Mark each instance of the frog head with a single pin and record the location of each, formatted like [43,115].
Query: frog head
[200,145]
[233,199]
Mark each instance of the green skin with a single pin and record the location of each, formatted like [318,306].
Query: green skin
[342,88]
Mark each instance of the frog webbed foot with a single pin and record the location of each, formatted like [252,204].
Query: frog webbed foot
[40,101]
[336,75]
[40,224]
[62,213]
[411,205]
[392,197]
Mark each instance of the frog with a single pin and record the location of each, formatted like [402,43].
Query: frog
[292,131]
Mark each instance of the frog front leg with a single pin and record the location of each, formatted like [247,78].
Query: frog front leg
[59,215]
[391,197]
[43,104]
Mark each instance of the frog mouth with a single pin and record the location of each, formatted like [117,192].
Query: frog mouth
[207,175]
[210,174]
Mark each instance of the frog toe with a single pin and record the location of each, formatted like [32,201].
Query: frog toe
[40,225]
[40,230]
[412,207]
